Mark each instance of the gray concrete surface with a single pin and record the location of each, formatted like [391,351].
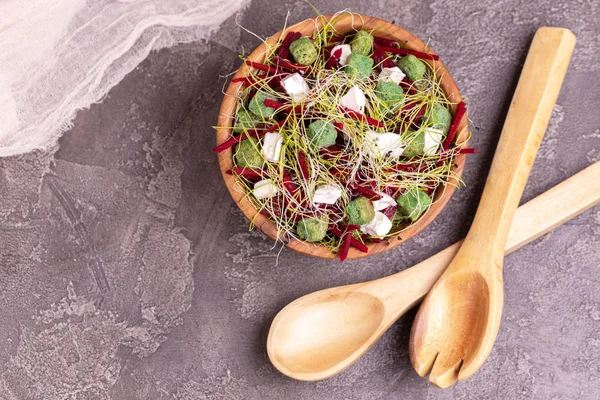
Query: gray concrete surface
[128,273]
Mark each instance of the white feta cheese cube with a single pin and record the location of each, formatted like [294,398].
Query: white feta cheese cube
[271,147]
[379,226]
[327,194]
[296,87]
[384,144]
[346,51]
[383,203]
[393,74]
[433,138]
[264,189]
[354,99]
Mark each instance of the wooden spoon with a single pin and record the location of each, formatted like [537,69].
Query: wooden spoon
[318,335]
[456,326]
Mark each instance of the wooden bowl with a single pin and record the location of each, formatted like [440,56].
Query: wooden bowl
[346,23]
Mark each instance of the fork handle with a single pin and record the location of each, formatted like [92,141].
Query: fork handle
[524,128]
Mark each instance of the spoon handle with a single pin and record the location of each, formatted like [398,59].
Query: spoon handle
[526,122]
[533,219]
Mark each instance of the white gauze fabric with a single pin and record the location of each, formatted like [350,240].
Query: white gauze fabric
[57,57]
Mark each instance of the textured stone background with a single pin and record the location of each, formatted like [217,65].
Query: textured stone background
[128,273]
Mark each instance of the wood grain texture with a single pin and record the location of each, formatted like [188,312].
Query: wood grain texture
[457,324]
[344,24]
[322,333]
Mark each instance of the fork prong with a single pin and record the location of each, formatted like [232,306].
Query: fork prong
[423,368]
[444,373]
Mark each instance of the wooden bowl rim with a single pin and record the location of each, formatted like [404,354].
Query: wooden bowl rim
[346,22]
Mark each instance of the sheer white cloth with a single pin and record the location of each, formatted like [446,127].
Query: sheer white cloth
[57,57]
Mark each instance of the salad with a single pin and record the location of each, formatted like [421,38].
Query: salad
[342,139]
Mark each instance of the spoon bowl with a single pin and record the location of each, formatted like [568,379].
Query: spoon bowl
[314,332]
